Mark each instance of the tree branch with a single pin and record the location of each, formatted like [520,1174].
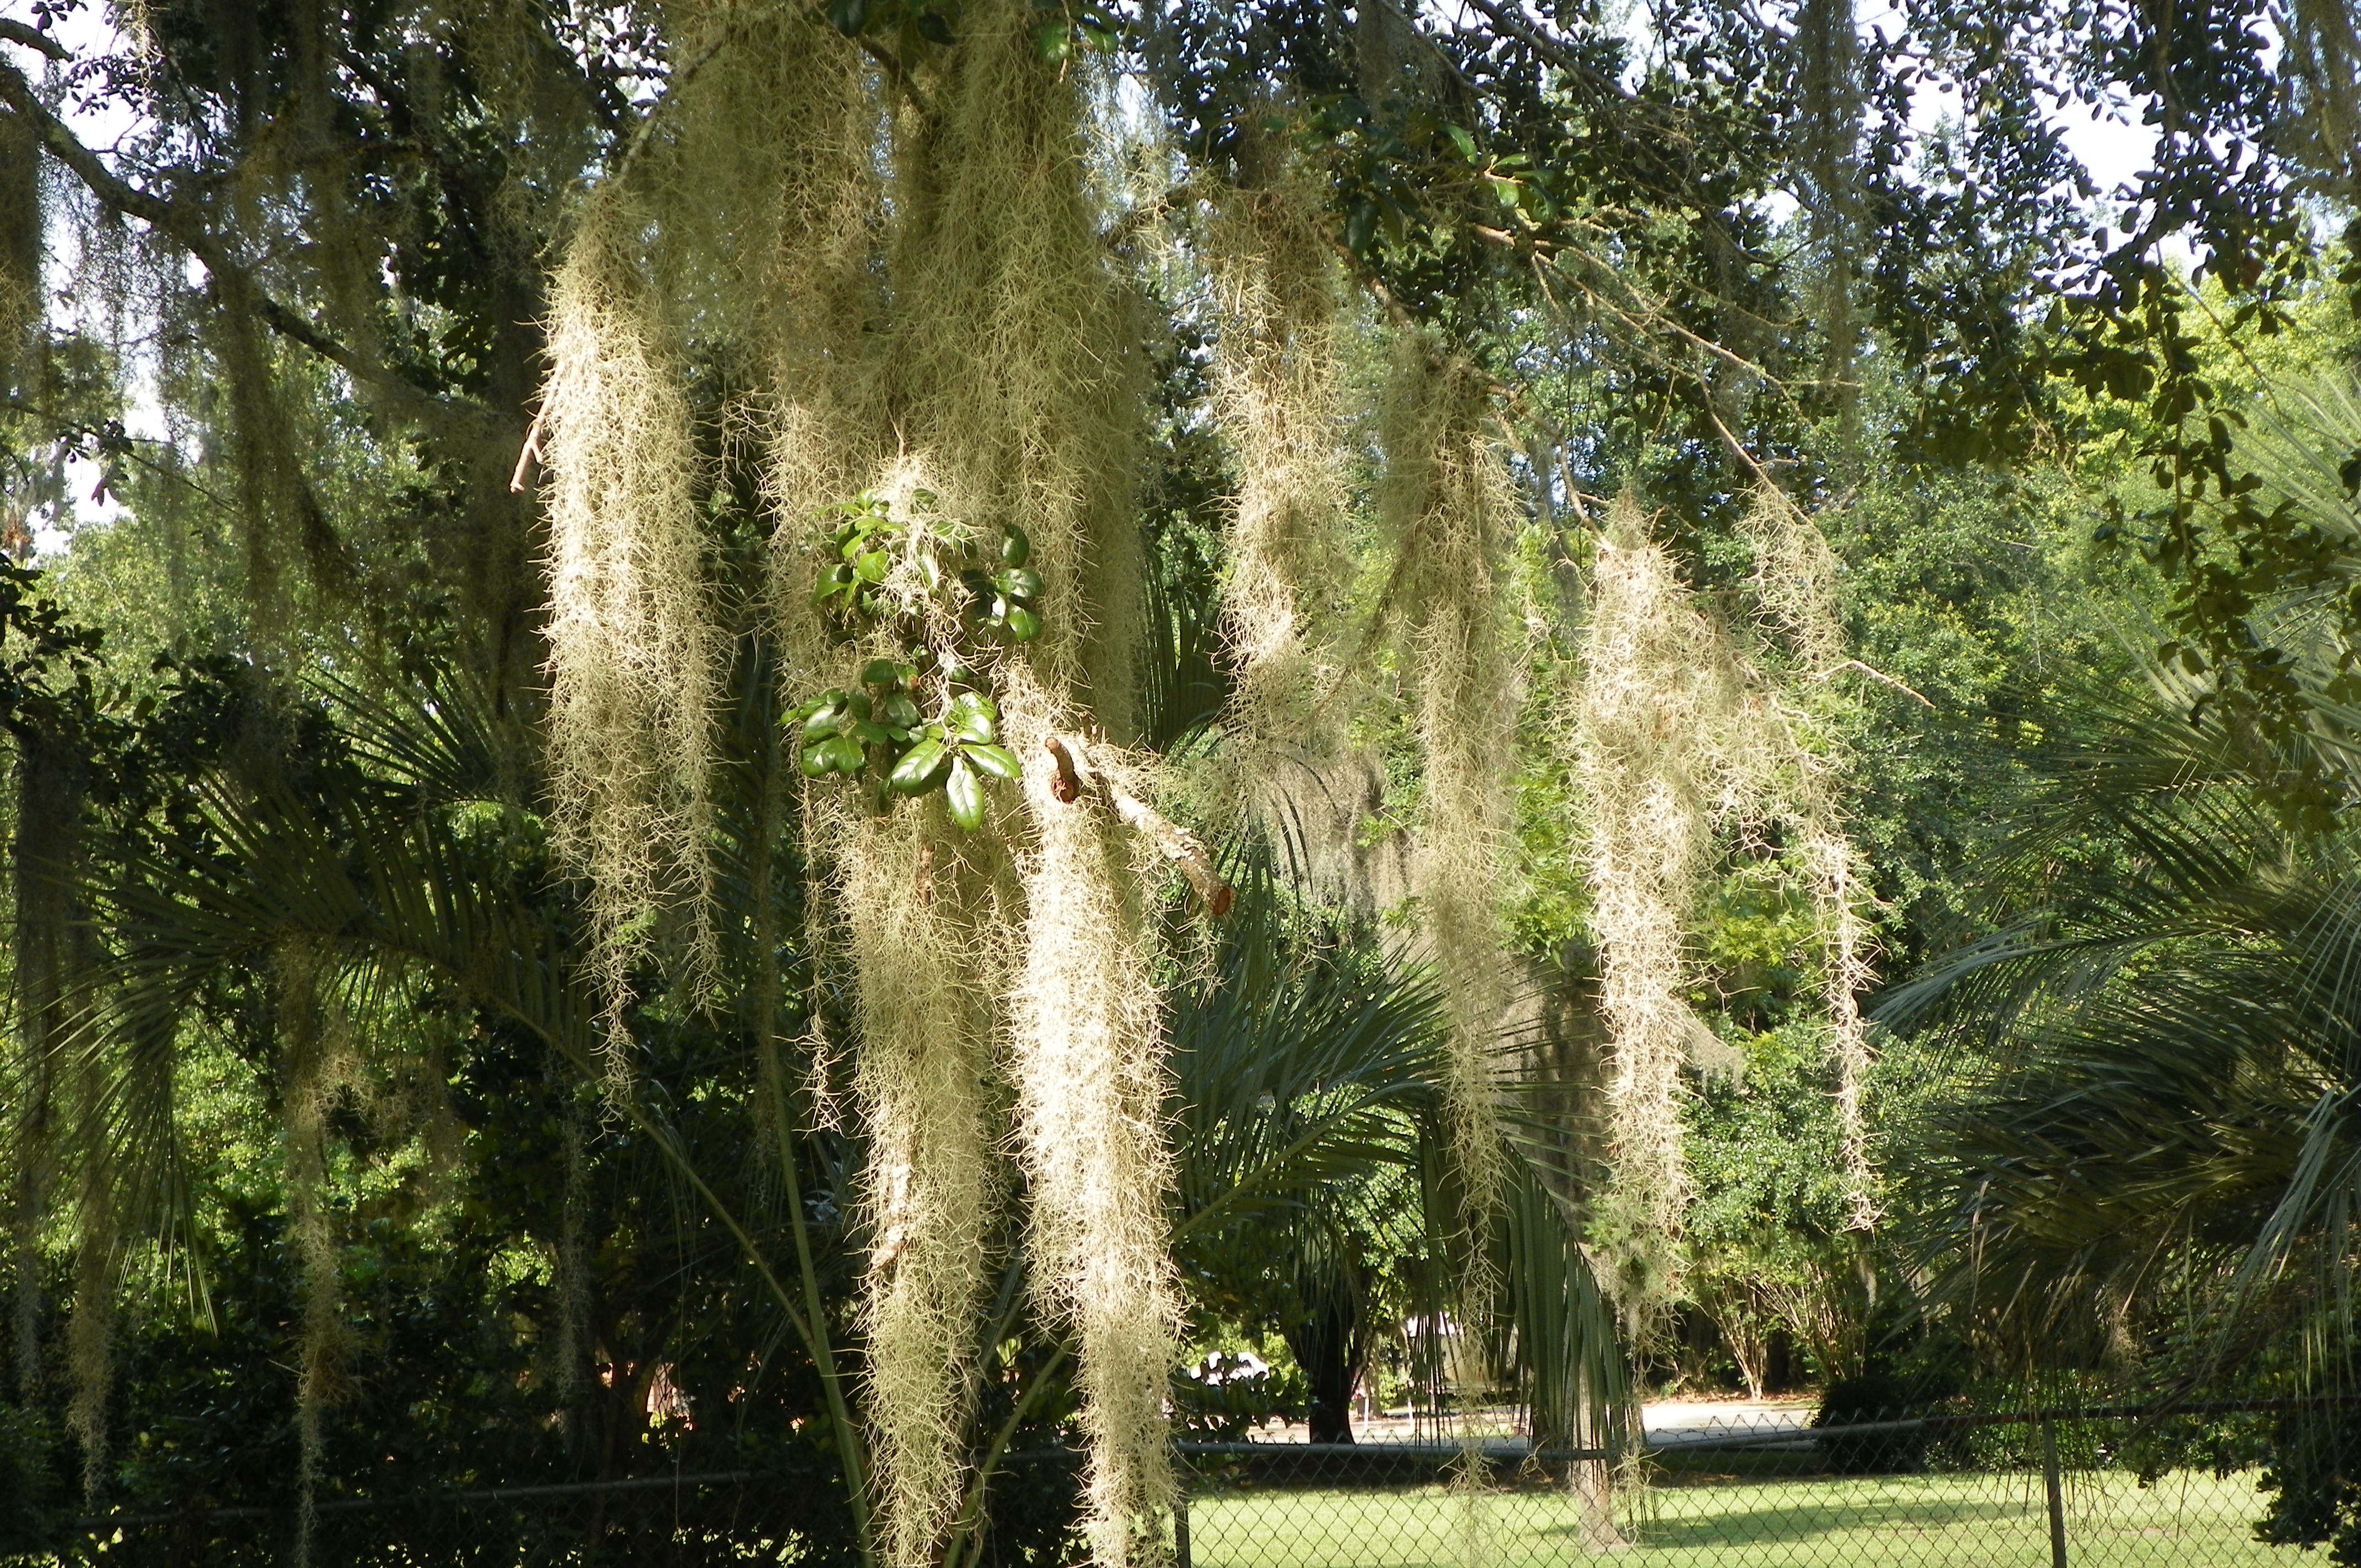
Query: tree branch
[186,228]
[32,38]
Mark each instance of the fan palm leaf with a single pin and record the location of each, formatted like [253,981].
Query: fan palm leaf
[2157,1124]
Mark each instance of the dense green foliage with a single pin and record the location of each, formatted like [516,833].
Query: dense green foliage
[320,1184]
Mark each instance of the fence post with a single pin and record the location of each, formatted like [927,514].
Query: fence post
[1180,1530]
[2056,1494]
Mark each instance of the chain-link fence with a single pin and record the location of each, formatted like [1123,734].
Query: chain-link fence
[2199,1487]
[2122,1487]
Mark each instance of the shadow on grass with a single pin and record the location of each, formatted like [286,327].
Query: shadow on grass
[1772,1522]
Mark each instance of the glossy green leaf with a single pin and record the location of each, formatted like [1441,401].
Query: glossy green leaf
[899,711]
[1023,624]
[883,672]
[843,754]
[1018,583]
[972,717]
[998,760]
[964,793]
[872,565]
[922,767]
[1016,548]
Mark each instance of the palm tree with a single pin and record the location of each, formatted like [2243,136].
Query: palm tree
[2159,1051]
[2154,1130]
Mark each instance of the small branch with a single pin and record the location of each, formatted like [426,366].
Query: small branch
[897,72]
[1174,842]
[1873,673]
[674,85]
[1736,447]
[1180,845]
[1071,775]
[1400,312]
[1514,23]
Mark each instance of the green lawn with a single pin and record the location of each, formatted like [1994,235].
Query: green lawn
[1916,1521]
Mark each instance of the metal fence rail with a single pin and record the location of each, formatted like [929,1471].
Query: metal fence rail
[2113,1488]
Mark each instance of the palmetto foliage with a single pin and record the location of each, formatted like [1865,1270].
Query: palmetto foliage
[2161,1131]
[348,875]
[1315,1175]
[346,895]
[2159,1144]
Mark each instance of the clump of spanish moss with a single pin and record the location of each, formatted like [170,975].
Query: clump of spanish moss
[773,215]
[316,1068]
[90,1330]
[1475,1526]
[1846,973]
[1796,583]
[928,1189]
[1659,691]
[1674,738]
[1278,395]
[2323,62]
[1089,1063]
[937,332]
[1015,357]
[45,862]
[1443,503]
[1828,46]
[570,1270]
[1016,351]
[633,645]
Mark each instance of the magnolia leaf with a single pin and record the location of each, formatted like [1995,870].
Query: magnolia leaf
[965,795]
[998,760]
[922,767]
[843,754]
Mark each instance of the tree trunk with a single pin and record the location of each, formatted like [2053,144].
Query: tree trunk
[1332,1347]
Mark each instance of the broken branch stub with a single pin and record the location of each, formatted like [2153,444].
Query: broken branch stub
[1174,842]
